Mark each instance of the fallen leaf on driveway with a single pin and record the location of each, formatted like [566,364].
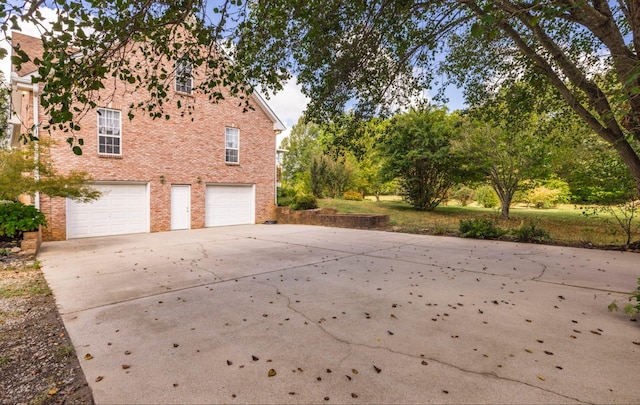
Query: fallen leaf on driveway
[271,373]
[88,356]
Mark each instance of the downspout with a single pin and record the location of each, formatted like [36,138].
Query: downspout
[36,153]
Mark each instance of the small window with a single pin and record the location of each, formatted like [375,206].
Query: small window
[232,145]
[184,78]
[109,134]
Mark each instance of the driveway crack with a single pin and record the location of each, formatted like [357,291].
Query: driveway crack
[350,344]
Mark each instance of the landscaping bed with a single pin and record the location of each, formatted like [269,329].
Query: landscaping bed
[37,361]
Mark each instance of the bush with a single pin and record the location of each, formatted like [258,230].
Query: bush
[286,201]
[531,233]
[479,228]
[17,218]
[632,308]
[305,202]
[463,194]
[543,197]
[352,195]
[486,197]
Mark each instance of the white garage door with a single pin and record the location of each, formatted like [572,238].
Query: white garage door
[122,209]
[229,205]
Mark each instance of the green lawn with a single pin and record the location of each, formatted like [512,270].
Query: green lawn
[565,224]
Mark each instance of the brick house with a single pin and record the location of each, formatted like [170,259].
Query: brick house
[214,167]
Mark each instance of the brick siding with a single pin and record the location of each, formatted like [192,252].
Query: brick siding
[187,150]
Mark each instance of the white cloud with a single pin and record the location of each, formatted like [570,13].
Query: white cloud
[289,105]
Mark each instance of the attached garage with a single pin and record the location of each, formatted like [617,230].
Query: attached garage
[229,205]
[122,209]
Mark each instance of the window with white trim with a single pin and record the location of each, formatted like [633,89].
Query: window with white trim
[232,145]
[184,77]
[109,132]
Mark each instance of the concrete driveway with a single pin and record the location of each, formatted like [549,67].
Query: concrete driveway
[302,314]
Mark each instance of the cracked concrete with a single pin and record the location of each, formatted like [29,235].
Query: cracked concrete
[302,314]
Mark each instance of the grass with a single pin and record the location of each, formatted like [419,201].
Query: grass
[23,281]
[565,224]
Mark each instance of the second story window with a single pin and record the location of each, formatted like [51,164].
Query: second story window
[184,78]
[109,132]
[232,145]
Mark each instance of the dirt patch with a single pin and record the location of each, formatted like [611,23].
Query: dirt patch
[38,363]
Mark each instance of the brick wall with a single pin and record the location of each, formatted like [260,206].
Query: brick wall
[188,150]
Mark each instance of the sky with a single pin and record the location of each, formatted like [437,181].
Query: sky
[288,104]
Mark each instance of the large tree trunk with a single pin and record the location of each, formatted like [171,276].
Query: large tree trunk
[505,196]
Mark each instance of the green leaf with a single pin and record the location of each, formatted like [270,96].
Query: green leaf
[77,150]
[477,29]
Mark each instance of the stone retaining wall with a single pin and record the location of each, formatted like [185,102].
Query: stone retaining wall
[330,217]
[31,242]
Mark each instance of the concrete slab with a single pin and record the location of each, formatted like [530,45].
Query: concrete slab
[344,316]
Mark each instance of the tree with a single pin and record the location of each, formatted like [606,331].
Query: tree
[374,55]
[417,147]
[356,141]
[300,146]
[21,173]
[505,143]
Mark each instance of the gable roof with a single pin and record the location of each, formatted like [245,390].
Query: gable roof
[34,48]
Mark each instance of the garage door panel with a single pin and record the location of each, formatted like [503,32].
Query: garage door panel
[122,209]
[229,205]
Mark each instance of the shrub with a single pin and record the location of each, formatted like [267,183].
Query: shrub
[17,218]
[632,308]
[352,195]
[531,233]
[479,228]
[543,197]
[486,197]
[286,201]
[463,194]
[305,202]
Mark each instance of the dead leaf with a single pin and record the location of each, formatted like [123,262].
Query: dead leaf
[229,362]
[127,352]
[528,350]
[254,358]
[88,356]
[125,366]
[99,378]
[595,332]
[52,391]
[271,373]
[424,363]
[354,371]
[548,352]
[378,370]
[353,395]
[541,377]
